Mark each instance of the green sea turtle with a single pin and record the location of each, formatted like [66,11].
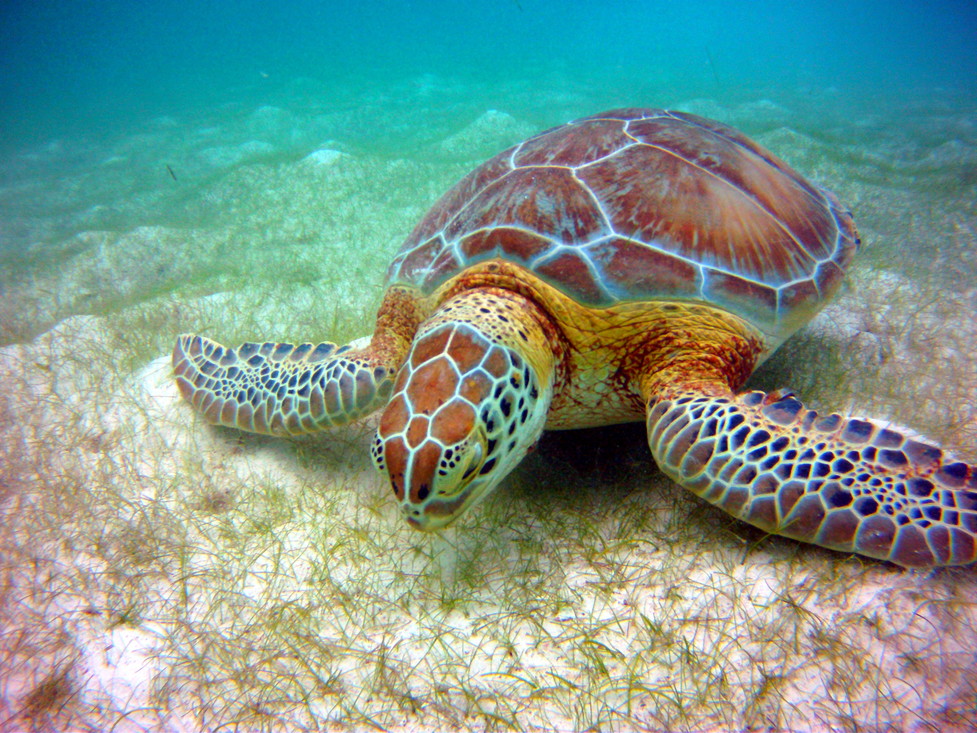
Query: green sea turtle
[637,264]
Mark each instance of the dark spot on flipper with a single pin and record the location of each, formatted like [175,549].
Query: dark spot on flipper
[866,506]
[739,437]
[952,474]
[842,465]
[779,444]
[857,431]
[893,458]
[920,487]
[245,351]
[757,454]
[888,439]
[828,423]
[745,476]
[757,437]
[709,428]
[836,496]
[922,454]
[753,399]
[322,351]
[933,512]
[783,412]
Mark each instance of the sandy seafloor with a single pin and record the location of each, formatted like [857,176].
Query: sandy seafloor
[160,574]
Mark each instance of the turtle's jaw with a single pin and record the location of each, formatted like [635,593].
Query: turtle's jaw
[439,513]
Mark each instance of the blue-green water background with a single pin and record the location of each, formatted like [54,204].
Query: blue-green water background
[84,66]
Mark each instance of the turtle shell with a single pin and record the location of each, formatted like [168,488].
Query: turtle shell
[644,205]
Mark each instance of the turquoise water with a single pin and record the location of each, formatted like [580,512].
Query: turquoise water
[90,67]
[99,67]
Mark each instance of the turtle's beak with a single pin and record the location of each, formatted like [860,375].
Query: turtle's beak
[438,493]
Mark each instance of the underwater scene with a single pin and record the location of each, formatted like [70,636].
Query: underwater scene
[248,172]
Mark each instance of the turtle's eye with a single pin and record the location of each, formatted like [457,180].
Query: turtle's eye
[460,464]
[475,459]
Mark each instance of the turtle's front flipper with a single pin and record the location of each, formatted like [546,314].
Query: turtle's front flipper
[849,484]
[280,389]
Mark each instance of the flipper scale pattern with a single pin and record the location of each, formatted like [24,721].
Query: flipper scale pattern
[840,482]
[279,388]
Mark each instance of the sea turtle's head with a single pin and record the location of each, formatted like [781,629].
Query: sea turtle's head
[464,411]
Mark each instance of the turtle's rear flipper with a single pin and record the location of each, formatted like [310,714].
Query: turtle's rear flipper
[848,484]
[280,389]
